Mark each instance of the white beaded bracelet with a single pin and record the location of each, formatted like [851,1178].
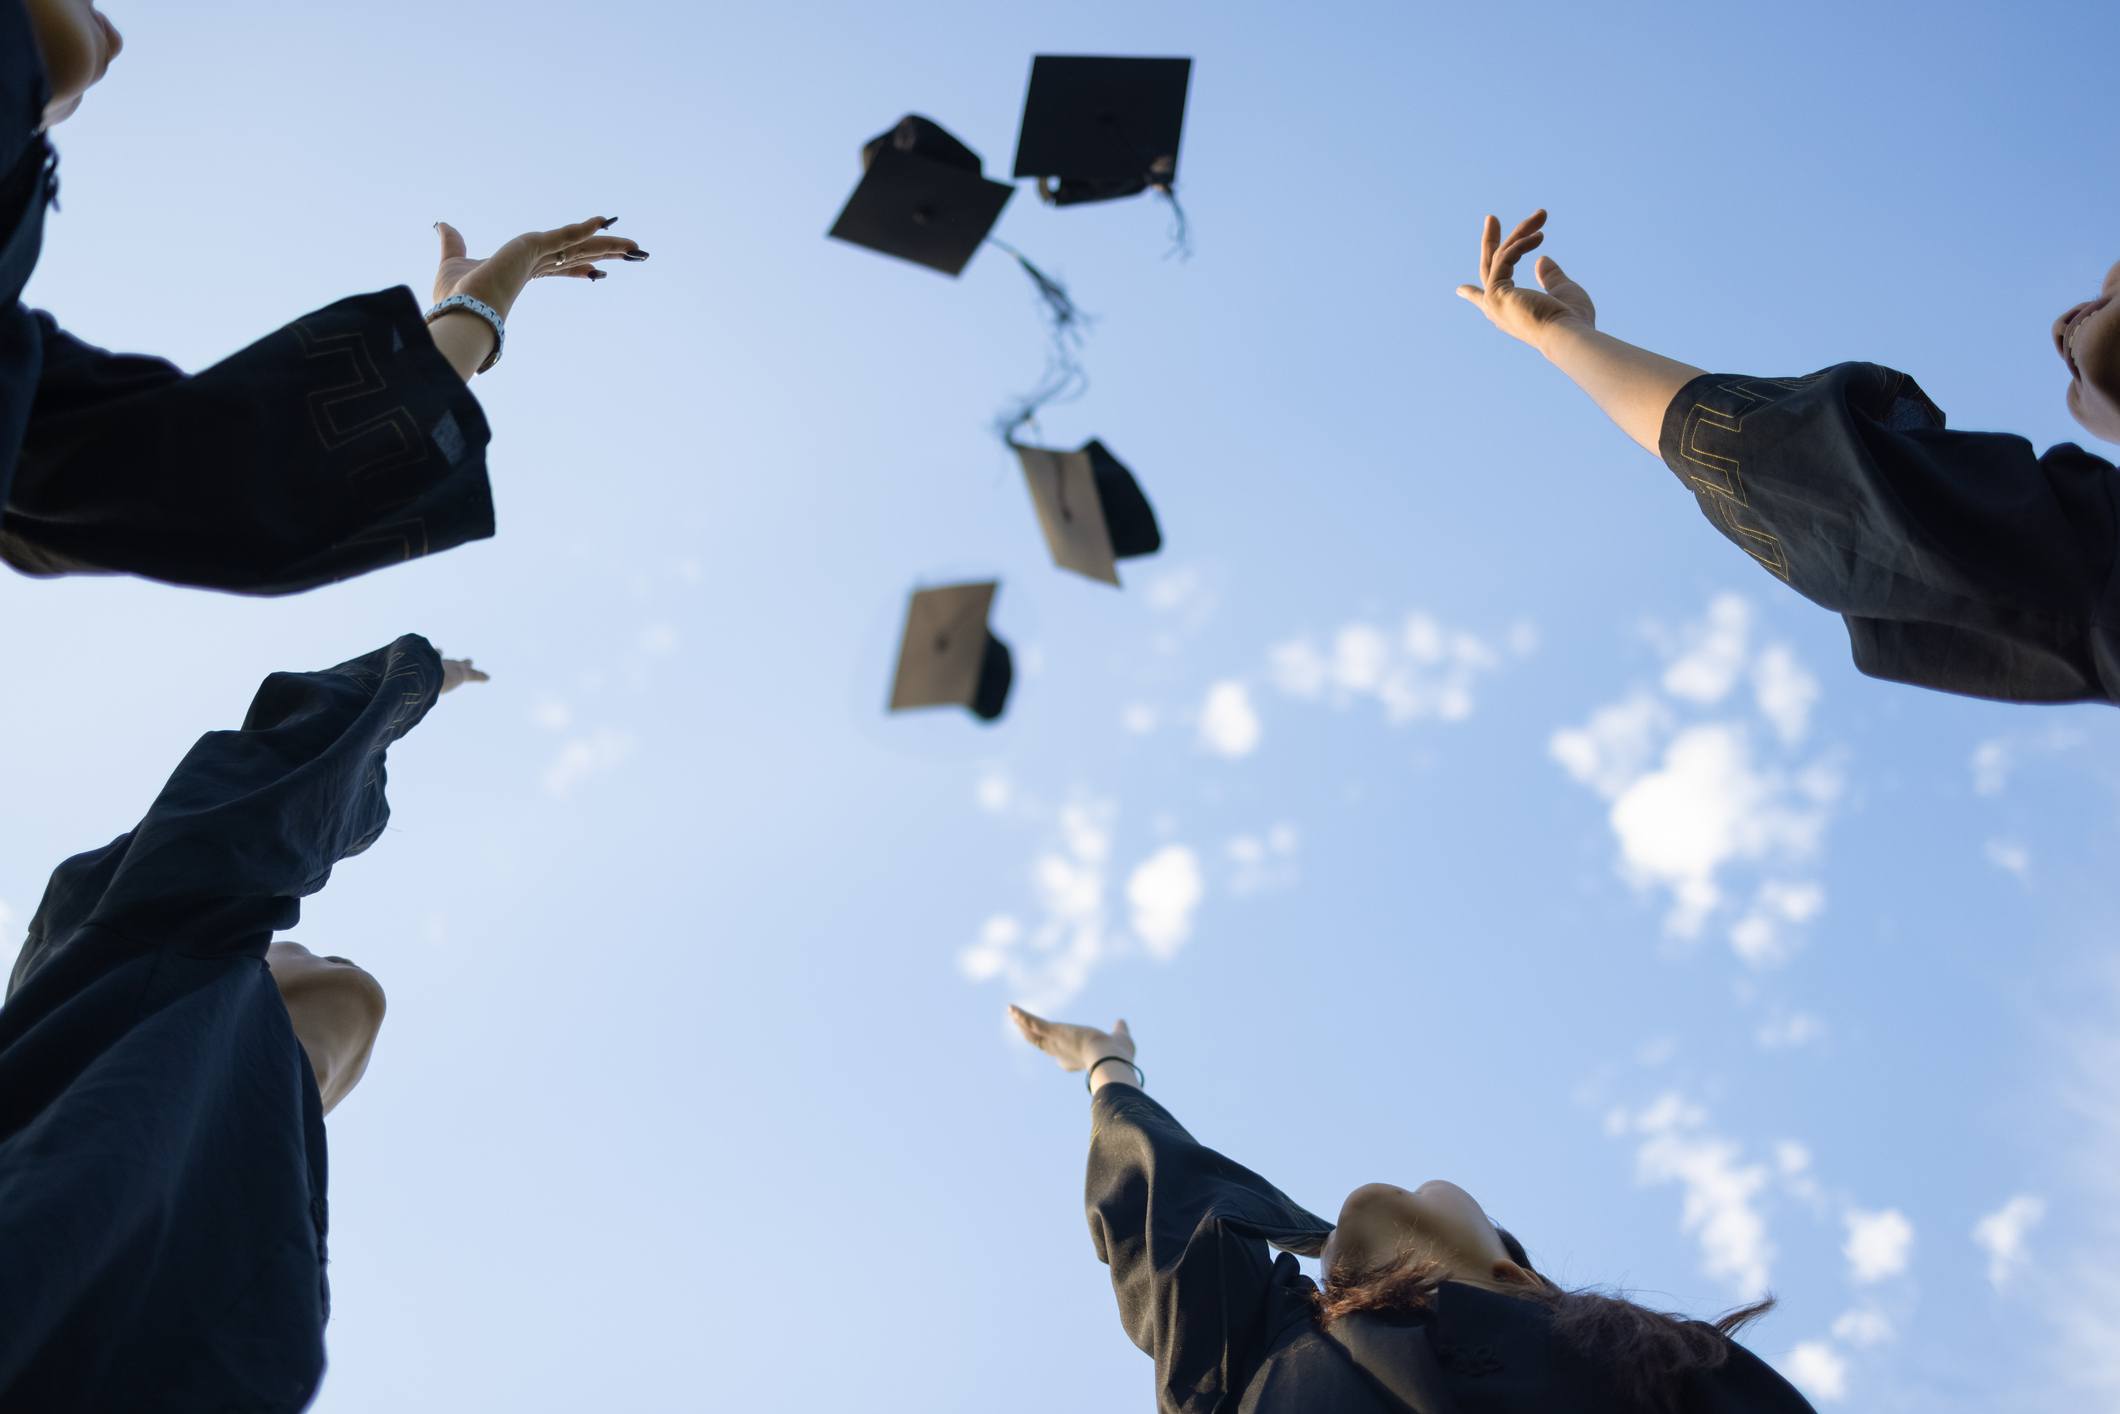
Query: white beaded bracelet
[484,311]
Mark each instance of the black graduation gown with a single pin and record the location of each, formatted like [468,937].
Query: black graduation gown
[162,1162]
[1185,1232]
[342,443]
[1959,560]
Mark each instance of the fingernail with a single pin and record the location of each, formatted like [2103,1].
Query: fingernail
[636,255]
[597,275]
[609,222]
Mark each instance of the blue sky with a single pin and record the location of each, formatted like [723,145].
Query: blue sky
[1447,800]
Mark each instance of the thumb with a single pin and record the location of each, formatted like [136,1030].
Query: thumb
[452,242]
[1549,272]
[1471,292]
[1119,1029]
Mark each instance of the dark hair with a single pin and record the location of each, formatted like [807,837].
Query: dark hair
[1648,1352]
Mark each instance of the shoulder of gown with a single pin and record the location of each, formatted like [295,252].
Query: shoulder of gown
[1961,561]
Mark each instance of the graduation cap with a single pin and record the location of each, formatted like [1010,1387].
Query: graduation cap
[1095,129]
[949,657]
[921,197]
[1090,507]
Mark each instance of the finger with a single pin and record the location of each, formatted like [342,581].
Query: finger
[602,248]
[1471,292]
[1490,237]
[1032,1027]
[1119,1029]
[1529,224]
[1549,272]
[560,237]
[1505,259]
[452,243]
[1495,249]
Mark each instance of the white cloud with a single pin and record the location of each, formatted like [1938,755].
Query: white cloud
[1991,766]
[1714,654]
[1262,862]
[1863,1326]
[994,792]
[1420,671]
[552,713]
[1761,937]
[584,757]
[2014,858]
[1693,801]
[1046,966]
[1878,1244]
[1164,891]
[1707,805]
[1798,1028]
[1046,961]
[2002,1233]
[1717,1206]
[1172,588]
[658,638]
[1138,717]
[1228,725]
[1818,1370]
[1615,746]
[1784,691]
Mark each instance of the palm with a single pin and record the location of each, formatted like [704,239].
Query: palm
[1517,311]
[1075,1047]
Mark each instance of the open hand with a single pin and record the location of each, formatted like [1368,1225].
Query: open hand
[1075,1047]
[1524,314]
[458,671]
[498,278]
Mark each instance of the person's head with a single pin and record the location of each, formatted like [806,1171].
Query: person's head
[2087,336]
[1437,1224]
[78,44]
[1393,1250]
[336,1009]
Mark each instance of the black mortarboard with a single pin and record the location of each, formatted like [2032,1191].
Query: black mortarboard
[949,657]
[1090,507]
[921,197]
[1102,128]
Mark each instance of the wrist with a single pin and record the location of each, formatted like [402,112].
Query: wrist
[1111,1066]
[464,338]
[1568,329]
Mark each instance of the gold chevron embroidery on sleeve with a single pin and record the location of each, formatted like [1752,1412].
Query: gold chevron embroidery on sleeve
[1757,543]
[1719,479]
[409,536]
[393,439]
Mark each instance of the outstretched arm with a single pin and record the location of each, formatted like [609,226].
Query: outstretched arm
[1184,1231]
[1632,385]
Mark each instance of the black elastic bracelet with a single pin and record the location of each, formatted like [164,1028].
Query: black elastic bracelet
[1140,1075]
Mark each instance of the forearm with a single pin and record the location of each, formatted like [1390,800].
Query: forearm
[1632,385]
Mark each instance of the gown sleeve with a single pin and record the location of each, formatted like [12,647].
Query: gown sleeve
[1185,1232]
[337,445]
[249,823]
[1959,560]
